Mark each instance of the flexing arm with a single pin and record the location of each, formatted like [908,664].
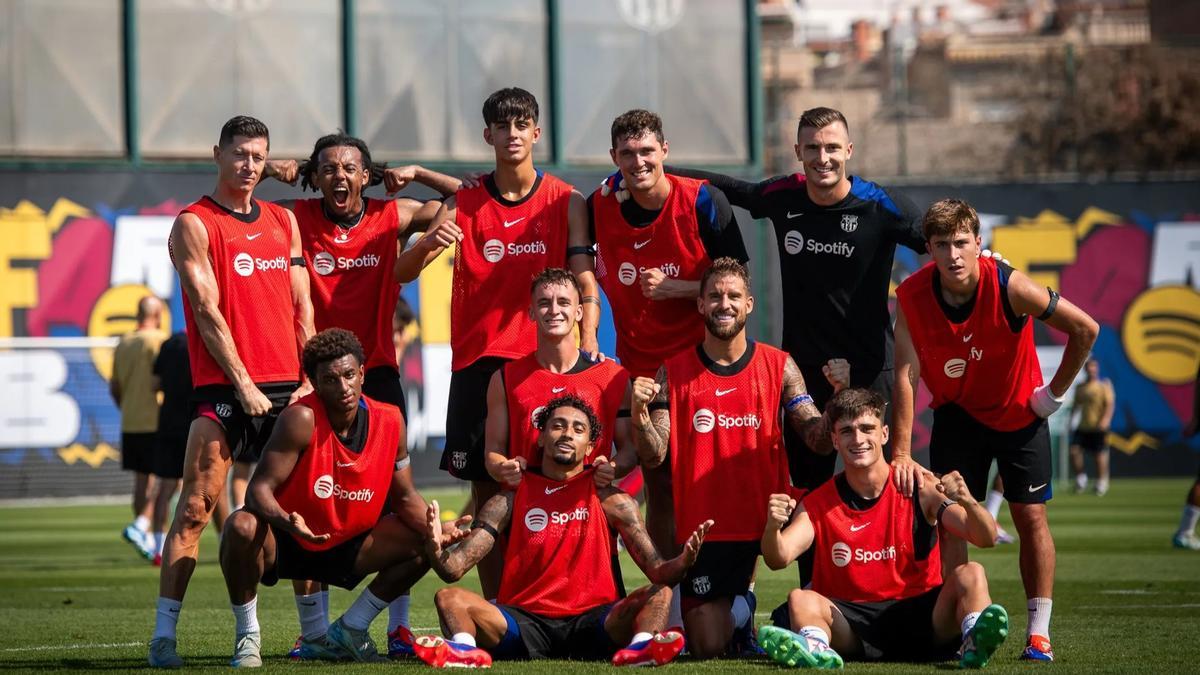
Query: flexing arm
[397,178]
[651,428]
[904,399]
[802,414]
[452,563]
[288,440]
[622,512]
[783,542]
[1026,297]
[964,517]
[499,466]
[583,266]
[302,309]
[442,234]
[189,247]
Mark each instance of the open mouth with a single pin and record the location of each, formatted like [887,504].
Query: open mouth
[724,317]
[341,196]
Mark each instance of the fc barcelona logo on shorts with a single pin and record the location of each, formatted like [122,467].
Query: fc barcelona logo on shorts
[701,585]
[223,410]
[849,223]
[458,459]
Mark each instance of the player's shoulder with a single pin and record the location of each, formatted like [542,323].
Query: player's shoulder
[873,195]
[786,185]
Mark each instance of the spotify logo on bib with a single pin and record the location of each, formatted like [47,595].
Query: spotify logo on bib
[793,242]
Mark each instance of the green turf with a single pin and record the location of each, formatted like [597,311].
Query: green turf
[74,596]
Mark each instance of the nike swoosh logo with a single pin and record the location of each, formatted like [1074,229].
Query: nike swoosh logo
[510,223]
[551,491]
[252,237]
[968,336]
[791,215]
[173,610]
[856,528]
[555,390]
[1035,488]
[722,392]
[639,244]
[342,465]
[309,604]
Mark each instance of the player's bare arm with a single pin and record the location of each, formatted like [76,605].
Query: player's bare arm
[625,457]
[906,471]
[1028,298]
[407,503]
[302,309]
[622,512]
[656,285]
[451,563]
[583,266]
[505,470]
[443,233]
[802,414]
[397,178]
[189,247]
[288,440]
[788,533]
[651,427]
[947,500]
[282,170]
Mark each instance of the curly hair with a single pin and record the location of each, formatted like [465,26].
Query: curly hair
[569,401]
[330,344]
[555,276]
[851,403]
[635,124]
[725,266]
[308,168]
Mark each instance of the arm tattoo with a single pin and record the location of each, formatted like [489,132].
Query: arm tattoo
[804,418]
[454,562]
[622,511]
[651,439]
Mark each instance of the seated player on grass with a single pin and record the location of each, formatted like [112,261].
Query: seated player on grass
[877,587]
[559,595]
[313,506]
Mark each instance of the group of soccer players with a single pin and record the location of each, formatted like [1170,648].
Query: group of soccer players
[736,439]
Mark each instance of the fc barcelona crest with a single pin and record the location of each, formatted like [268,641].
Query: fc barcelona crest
[849,223]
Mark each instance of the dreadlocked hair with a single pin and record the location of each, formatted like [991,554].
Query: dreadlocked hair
[308,167]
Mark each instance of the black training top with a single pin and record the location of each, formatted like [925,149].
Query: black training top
[835,263]
[171,367]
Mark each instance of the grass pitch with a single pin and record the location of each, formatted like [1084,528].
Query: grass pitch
[74,596]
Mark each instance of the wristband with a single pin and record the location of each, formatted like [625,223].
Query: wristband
[480,525]
[298,261]
[402,464]
[946,503]
[580,250]
[798,401]
[590,300]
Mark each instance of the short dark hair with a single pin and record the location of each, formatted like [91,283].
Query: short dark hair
[555,276]
[948,216]
[328,345]
[821,117]
[245,126]
[725,266]
[635,124]
[308,169]
[569,401]
[508,104]
[850,403]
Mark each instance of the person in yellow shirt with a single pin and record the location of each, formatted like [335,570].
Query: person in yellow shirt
[1093,410]
[133,389]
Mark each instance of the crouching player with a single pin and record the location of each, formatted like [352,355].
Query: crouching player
[314,503]
[559,594]
[877,587]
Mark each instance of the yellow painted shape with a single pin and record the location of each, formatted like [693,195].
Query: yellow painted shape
[1047,242]
[24,235]
[1090,218]
[114,315]
[1161,333]
[1132,444]
[436,283]
[93,457]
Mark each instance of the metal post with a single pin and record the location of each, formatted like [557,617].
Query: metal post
[349,71]
[554,121]
[129,53]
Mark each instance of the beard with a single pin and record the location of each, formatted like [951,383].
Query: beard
[724,331]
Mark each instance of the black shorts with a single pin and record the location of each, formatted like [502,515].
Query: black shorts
[532,636]
[1092,441]
[808,469]
[245,435]
[959,442]
[722,570]
[137,452]
[382,384]
[466,414]
[892,630]
[170,448]
[334,566]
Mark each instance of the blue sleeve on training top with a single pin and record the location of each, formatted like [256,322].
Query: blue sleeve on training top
[870,192]
[706,209]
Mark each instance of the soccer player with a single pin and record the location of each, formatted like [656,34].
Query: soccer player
[247,308]
[556,367]
[963,326]
[173,377]
[878,591]
[314,504]
[518,222]
[352,248]
[1185,537]
[559,597]
[1092,411]
[716,409]
[132,389]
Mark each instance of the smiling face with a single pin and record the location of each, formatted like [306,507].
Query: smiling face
[555,309]
[240,162]
[339,383]
[513,140]
[823,153]
[725,303]
[860,440]
[640,159]
[341,176]
[566,439]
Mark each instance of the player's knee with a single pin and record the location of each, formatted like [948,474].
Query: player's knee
[240,529]
[970,576]
[196,511]
[805,602]
[448,599]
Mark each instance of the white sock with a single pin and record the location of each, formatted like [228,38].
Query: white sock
[816,634]
[968,622]
[1081,480]
[463,639]
[675,615]
[1187,524]
[313,624]
[166,616]
[142,523]
[740,610]
[398,612]
[1101,485]
[160,538]
[1039,617]
[325,604]
[364,610]
[246,617]
[641,637]
[994,501]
